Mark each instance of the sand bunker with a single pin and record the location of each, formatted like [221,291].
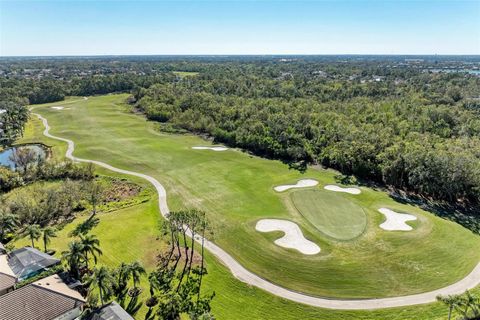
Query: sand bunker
[303,183]
[396,221]
[211,148]
[58,108]
[335,188]
[293,237]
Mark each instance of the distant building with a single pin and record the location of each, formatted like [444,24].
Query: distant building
[111,311]
[46,299]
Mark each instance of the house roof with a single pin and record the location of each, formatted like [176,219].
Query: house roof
[111,311]
[28,261]
[6,281]
[4,267]
[45,299]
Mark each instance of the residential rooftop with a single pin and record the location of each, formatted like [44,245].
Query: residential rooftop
[45,299]
[111,311]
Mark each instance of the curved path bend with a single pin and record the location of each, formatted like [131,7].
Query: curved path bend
[242,274]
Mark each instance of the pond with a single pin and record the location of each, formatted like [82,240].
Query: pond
[7,155]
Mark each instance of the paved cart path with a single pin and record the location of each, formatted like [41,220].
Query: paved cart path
[242,274]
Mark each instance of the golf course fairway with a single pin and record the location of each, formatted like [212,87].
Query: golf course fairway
[235,189]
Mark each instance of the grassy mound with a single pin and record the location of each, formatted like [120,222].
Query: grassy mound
[333,214]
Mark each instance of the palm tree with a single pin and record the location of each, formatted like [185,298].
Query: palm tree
[48,233]
[8,223]
[102,280]
[136,270]
[34,232]
[121,275]
[90,245]
[73,257]
[451,301]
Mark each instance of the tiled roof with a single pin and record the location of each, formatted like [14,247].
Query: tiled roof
[111,311]
[38,302]
[6,281]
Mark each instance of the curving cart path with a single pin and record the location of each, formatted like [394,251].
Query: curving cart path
[242,274]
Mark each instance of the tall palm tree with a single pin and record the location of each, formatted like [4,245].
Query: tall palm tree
[8,223]
[73,257]
[136,270]
[47,234]
[451,301]
[102,280]
[34,232]
[91,245]
[121,276]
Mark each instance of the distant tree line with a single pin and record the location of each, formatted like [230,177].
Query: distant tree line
[419,135]
[380,118]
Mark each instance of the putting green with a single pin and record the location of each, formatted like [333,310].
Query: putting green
[331,213]
[235,189]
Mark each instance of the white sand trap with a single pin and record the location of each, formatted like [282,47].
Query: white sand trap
[58,108]
[303,183]
[335,188]
[85,98]
[396,221]
[211,148]
[293,237]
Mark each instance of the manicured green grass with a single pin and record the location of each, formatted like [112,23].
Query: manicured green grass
[331,213]
[235,189]
[132,234]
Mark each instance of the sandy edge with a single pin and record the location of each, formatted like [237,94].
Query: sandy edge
[293,237]
[396,221]
[302,183]
[332,187]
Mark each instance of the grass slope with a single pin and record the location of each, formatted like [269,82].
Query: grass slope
[331,213]
[235,189]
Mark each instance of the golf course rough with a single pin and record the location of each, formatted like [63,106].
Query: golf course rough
[235,190]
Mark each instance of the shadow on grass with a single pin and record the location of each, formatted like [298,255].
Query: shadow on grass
[465,215]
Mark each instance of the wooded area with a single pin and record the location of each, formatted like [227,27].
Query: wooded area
[411,124]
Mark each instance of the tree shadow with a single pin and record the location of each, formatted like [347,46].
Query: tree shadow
[467,215]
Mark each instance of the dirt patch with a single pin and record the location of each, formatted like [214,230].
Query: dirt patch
[120,190]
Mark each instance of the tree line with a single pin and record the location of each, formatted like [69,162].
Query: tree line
[421,136]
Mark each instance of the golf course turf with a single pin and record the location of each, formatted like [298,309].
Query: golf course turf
[331,213]
[235,190]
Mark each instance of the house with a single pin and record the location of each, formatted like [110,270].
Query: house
[28,262]
[7,277]
[20,265]
[46,299]
[111,311]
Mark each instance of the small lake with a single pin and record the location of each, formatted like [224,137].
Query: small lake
[6,155]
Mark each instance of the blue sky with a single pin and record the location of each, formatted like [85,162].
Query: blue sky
[239,27]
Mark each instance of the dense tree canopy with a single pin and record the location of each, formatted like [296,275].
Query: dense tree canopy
[412,123]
